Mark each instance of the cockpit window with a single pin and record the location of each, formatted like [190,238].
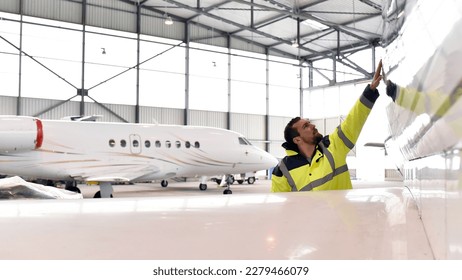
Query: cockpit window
[244,141]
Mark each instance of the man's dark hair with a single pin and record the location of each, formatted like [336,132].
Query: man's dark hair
[290,132]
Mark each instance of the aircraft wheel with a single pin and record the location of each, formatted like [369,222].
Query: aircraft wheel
[251,180]
[227,191]
[164,183]
[202,187]
[240,182]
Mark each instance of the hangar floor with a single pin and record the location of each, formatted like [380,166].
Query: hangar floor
[192,188]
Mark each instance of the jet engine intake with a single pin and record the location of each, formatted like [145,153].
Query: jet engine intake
[20,134]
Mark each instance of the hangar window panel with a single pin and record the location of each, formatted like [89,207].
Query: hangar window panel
[162,89]
[285,73]
[208,94]
[284,101]
[9,56]
[9,69]
[208,79]
[313,105]
[347,97]
[331,102]
[162,56]
[162,80]
[107,68]
[60,51]
[38,83]
[305,77]
[208,63]
[248,98]
[248,69]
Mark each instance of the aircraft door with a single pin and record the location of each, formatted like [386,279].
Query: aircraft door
[135,143]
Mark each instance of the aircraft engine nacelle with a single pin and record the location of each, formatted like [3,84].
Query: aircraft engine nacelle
[20,134]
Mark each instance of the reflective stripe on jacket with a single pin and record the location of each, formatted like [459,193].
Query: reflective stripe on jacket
[328,169]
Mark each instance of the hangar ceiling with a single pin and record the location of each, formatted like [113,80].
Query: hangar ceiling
[301,29]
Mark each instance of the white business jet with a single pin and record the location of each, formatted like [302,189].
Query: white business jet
[107,153]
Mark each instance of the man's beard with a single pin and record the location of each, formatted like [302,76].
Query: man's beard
[317,138]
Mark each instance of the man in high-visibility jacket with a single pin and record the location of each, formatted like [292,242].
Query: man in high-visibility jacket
[314,162]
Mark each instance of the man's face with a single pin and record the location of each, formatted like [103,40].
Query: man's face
[307,132]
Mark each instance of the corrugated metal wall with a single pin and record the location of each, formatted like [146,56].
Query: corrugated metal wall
[112,15]
[10,6]
[67,11]
[152,23]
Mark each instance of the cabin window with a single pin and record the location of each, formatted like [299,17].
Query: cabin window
[178,144]
[147,144]
[135,143]
[111,143]
[196,144]
[158,144]
[168,144]
[123,143]
[187,144]
[244,141]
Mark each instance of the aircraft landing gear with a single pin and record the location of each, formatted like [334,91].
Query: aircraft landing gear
[229,182]
[105,190]
[72,186]
[203,183]
[164,183]
[202,187]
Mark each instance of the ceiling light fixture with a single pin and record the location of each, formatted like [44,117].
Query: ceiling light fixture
[168,20]
[294,43]
[315,24]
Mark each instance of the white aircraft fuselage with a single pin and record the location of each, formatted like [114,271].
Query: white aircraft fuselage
[122,152]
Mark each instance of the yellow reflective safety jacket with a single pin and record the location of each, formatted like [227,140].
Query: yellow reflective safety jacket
[328,169]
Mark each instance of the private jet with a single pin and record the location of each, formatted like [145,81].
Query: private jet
[75,150]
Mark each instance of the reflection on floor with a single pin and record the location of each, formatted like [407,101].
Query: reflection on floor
[192,188]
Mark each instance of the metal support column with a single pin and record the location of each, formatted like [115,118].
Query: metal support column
[186,76]
[267,124]
[82,88]
[228,115]
[300,75]
[19,99]
[138,32]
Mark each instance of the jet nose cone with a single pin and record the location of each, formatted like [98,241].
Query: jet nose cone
[270,160]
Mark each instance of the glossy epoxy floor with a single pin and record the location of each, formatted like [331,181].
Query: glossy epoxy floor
[181,222]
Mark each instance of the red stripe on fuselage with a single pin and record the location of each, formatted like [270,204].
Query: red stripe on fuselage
[39,139]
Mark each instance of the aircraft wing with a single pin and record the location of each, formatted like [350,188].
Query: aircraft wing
[122,173]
